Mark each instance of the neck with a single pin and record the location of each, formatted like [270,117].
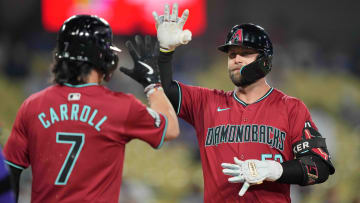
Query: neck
[253,92]
[94,77]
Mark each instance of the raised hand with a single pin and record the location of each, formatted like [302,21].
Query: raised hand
[169,28]
[145,55]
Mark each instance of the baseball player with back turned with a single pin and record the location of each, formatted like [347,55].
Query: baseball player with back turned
[260,137]
[73,134]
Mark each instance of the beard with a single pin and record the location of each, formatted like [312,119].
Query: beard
[237,79]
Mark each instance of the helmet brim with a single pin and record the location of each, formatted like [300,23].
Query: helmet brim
[224,48]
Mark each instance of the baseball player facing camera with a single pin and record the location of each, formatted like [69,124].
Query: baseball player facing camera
[260,137]
[73,133]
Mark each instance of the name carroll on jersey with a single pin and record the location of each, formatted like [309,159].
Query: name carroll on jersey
[73,112]
[245,133]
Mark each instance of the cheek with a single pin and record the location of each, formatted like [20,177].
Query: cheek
[230,62]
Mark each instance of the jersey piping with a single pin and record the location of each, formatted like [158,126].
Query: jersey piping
[81,85]
[245,104]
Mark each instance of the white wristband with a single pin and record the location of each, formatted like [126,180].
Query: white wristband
[152,88]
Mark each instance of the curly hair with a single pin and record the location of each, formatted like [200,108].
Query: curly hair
[72,72]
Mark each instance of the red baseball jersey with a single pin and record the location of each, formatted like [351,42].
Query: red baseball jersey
[227,127]
[74,139]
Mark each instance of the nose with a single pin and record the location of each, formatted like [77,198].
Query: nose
[238,58]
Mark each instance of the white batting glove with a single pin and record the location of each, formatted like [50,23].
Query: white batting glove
[252,172]
[169,28]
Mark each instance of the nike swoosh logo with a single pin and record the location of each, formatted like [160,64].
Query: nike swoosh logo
[219,109]
[151,70]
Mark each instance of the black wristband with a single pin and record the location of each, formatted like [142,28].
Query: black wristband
[165,57]
[292,173]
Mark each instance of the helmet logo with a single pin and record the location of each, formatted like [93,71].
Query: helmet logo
[237,37]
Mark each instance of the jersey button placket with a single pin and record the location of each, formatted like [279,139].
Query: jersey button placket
[245,115]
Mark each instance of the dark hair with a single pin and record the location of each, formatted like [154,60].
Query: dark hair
[72,72]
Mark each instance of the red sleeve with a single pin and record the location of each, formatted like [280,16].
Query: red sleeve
[16,149]
[190,101]
[299,116]
[145,124]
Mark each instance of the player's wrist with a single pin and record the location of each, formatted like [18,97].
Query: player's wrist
[166,50]
[152,88]
[275,169]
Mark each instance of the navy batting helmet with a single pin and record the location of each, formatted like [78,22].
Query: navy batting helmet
[87,38]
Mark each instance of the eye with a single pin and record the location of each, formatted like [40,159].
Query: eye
[232,55]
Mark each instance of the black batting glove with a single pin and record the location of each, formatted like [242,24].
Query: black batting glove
[145,56]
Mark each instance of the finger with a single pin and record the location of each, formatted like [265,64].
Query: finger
[166,13]
[244,188]
[156,18]
[126,71]
[237,161]
[174,13]
[148,48]
[236,179]
[140,45]
[230,166]
[133,53]
[230,172]
[184,17]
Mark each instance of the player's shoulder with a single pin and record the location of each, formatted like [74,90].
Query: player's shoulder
[119,95]
[204,90]
[286,99]
[39,94]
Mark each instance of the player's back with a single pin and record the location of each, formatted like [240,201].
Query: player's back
[76,141]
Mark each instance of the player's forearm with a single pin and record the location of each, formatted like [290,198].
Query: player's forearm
[161,104]
[166,75]
[15,177]
[294,173]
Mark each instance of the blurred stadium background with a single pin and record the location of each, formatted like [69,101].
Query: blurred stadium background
[317,59]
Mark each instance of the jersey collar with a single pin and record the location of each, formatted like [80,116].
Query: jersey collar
[81,85]
[245,104]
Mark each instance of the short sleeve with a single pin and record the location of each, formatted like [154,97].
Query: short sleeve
[190,101]
[299,117]
[16,149]
[145,124]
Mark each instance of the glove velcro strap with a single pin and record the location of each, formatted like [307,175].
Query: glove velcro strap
[152,88]
[166,50]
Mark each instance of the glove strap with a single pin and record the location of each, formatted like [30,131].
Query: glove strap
[152,88]
[164,50]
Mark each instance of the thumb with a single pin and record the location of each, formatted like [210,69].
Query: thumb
[237,161]
[126,71]
[244,188]
[185,36]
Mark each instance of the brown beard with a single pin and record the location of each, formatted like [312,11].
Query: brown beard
[238,81]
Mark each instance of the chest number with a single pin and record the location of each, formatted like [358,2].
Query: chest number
[275,157]
[77,141]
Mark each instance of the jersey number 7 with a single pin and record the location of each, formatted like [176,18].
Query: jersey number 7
[77,142]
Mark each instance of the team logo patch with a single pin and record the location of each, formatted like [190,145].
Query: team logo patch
[155,115]
[74,96]
[237,37]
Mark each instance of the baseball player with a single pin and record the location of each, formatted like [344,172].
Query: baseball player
[73,134]
[270,136]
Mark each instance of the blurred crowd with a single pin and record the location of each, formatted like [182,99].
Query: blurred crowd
[316,58]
